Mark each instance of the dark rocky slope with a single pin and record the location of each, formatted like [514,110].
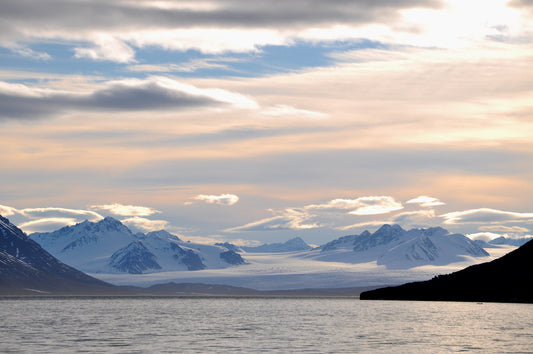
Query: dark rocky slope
[506,279]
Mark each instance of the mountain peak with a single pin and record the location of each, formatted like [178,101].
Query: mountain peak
[384,235]
[292,245]
[387,228]
[110,221]
[163,235]
[433,231]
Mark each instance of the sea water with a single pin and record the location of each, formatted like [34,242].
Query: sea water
[272,325]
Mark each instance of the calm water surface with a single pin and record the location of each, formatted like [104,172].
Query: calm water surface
[219,325]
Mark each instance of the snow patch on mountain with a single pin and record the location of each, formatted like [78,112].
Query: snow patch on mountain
[135,258]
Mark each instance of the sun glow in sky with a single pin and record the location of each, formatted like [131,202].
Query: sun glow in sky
[260,121]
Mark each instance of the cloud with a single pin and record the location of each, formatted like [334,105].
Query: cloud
[360,225]
[360,206]
[7,210]
[425,201]
[223,199]
[61,213]
[417,218]
[483,236]
[107,48]
[120,16]
[522,3]
[484,215]
[48,218]
[319,215]
[503,228]
[127,210]
[288,219]
[188,67]
[46,224]
[155,93]
[52,218]
[113,28]
[30,53]
[145,224]
[289,111]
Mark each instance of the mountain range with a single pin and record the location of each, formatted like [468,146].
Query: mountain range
[395,247]
[108,246]
[108,250]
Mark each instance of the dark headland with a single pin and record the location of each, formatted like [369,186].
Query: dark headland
[506,279]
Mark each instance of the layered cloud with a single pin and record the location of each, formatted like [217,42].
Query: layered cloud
[48,218]
[155,93]
[52,218]
[114,30]
[212,26]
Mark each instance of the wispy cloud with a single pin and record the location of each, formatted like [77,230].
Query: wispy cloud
[504,229]
[290,111]
[7,210]
[126,210]
[48,218]
[187,67]
[223,199]
[425,201]
[484,215]
[417,218]
[483,236]
[54,212]
[46,224]
[288,219]
[320,215]
[372,205]
[107,47]
[144,224]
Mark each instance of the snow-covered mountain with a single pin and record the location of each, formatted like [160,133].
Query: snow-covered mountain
[510,241]
[292,245]
[26,268]
[395,247]
[108,246]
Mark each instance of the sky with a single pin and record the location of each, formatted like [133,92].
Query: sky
[258,121]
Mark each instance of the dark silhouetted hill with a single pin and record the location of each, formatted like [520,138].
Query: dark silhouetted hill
[506,279]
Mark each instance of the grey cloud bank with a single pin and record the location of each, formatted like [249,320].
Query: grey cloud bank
[58,15]
[19,101]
